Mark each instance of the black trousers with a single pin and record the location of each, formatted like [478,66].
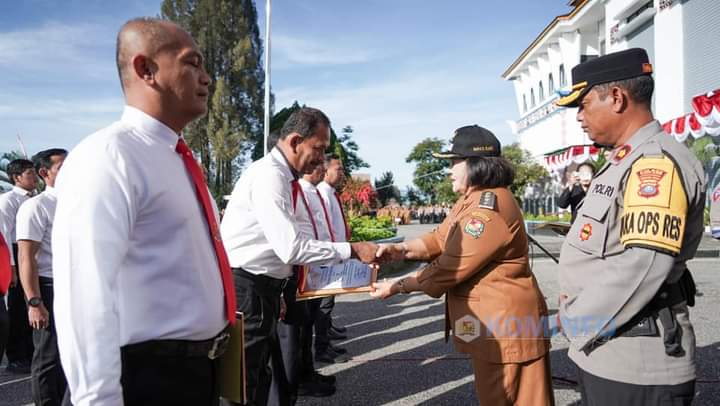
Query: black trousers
[258,297]
[295,338]
[596,391]
[48,380]
[323,322]
[4,326]
[20,338]
[168,380]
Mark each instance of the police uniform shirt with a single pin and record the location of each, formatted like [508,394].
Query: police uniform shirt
[316,205]
[334,210]
[132,256]
[715,212]
[9,204]
[34,223]
[640,222]
[261,229]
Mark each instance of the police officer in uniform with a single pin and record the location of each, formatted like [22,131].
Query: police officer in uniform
[625,287]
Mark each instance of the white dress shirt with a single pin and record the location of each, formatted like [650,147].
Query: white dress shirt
[334,210]
[133,260]
[10,203]
[316,204]
[34,222]
[261,229]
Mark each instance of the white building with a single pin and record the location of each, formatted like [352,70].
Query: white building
[682,38]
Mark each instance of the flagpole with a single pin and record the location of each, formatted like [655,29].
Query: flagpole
[22,146]
[267,77]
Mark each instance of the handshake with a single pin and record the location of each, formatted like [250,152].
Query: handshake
[372,253]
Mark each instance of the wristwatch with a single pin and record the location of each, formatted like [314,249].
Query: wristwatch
[401,285]
[35,301]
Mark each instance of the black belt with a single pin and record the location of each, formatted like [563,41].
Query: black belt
[211,348]
[262,281]
[644,324]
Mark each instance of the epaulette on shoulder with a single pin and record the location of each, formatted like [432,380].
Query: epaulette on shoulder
[487,200]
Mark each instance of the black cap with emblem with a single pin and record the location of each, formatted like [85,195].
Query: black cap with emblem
[612,67]
[471,141]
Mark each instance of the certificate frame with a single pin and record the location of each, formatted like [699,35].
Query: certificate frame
[304,294]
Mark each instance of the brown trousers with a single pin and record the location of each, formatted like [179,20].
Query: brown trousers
[522,384]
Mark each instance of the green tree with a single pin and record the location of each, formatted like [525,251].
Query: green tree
[527,170]
[444,192]
[386,189]
[429,171]
[344,147]
[700,148]
[227,33]
[347,149]
[412,197]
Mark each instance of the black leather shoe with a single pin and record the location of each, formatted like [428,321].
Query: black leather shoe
[330,379]
[329,356]
[334,335]
[315,388]
[339,350]
[339,329]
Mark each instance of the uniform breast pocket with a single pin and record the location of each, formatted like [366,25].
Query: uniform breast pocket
[589,231]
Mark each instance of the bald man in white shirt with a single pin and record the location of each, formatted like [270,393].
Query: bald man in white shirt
[262,232]
[143,291]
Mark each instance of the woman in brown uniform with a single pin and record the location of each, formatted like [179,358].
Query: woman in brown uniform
[479,259]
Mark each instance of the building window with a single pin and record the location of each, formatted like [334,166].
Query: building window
[563,83]
[524,104]
[532,98]
[541,92]
[551,84]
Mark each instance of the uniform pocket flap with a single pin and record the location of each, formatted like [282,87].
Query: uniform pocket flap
[595,208]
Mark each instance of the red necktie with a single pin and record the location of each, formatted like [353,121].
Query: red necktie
[5,267]
[297,191]
[327,218]
[204,197]
[342,211]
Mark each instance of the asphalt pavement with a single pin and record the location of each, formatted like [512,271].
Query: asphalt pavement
[399,356]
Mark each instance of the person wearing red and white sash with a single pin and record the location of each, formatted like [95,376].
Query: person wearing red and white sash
[263,233]
[333,181]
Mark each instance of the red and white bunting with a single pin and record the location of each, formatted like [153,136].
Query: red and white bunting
[570,155]
[705,119]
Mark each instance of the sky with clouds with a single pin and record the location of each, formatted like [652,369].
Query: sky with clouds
[398,71]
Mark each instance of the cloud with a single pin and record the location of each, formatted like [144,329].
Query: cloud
[55,47]
[391,115]
[292,51]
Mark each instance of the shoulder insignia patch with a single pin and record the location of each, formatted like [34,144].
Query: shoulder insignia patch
[621,153]
[480,215]
[650,182]
[654,206]
[474,228]
[487,200]
[716,196]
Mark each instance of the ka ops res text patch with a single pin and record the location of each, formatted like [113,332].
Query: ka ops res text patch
[655,206]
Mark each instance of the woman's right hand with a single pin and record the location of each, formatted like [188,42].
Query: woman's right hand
[384,289]
[391,252]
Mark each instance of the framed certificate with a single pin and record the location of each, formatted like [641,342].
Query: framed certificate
[351,276]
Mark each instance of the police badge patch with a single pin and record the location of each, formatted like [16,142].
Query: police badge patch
[650,182]
[474,228]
